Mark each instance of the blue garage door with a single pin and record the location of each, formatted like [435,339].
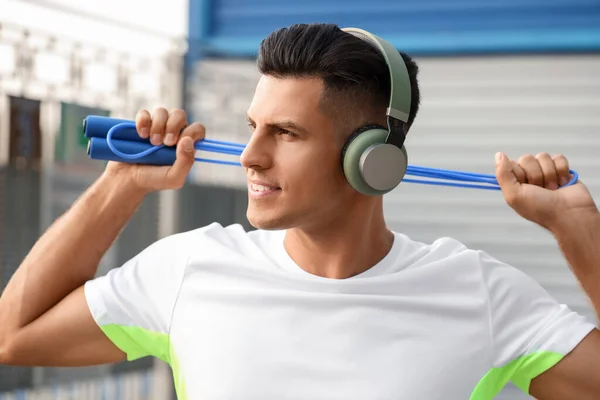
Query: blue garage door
[235,27]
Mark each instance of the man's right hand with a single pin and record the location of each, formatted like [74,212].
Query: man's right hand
[45,318]
[170,129]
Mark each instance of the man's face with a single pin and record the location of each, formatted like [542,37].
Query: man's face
[292,160]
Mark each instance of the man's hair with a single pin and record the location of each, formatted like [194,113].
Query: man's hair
[355,75]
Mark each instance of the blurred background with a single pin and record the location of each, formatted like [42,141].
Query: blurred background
[519,76]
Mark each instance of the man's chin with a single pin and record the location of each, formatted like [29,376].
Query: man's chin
[266,221]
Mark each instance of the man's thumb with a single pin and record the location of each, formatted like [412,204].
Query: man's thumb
[505,175]
[187,145]
[177,173]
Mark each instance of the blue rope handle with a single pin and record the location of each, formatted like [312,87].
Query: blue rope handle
[436,176]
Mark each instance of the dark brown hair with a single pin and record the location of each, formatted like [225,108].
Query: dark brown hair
[353,72]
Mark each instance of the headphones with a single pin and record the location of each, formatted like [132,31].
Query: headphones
[374,159]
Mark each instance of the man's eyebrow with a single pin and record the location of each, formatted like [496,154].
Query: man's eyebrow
[285,124]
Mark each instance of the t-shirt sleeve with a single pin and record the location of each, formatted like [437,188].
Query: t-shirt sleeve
[531,332]
[133,304]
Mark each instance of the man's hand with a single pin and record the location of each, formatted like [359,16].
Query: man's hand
[45,318]
[170,129]
[531,187]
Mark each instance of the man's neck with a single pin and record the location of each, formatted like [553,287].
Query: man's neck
[340,249]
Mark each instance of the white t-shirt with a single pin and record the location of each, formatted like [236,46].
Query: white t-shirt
[236,318]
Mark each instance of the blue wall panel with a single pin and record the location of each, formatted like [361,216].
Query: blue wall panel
[235,27]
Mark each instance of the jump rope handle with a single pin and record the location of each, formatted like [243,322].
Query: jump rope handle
[124,138]
[113,139]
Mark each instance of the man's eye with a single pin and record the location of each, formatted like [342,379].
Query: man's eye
[286,132]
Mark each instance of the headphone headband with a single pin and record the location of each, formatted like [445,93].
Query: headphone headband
[375,160]
[400,95]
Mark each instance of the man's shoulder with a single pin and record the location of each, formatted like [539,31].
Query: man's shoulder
[453,252]
[441,249]
[457,262]
[456,257]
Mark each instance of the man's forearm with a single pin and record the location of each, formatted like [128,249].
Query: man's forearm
[579,240]
[68,253]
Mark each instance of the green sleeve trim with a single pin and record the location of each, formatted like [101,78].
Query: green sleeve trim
[520,371]
[179,379]
[533,366]
[139,342]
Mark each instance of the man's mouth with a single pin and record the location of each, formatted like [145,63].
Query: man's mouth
[262,189]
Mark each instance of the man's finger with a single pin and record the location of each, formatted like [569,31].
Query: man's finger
[506,177]
[531,166]
[177,173]
[143,121]
[562,168]
[548,170]
[175,124]
[159,122]
[196,131]
[519,172]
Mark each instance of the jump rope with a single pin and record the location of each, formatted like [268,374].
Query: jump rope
[113,139]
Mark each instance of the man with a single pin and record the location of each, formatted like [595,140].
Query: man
[323,301]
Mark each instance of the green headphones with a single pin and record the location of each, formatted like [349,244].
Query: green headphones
[374,159]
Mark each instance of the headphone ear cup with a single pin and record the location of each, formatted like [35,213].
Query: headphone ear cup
[356,133]
[371,166]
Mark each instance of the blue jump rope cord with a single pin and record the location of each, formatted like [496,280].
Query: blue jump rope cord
[230,148]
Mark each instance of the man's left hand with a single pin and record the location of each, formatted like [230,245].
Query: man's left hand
[532,187]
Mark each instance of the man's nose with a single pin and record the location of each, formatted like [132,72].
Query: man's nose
[258,152]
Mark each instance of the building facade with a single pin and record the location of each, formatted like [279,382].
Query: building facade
[48,84]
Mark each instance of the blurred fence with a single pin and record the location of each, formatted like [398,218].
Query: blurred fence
[48,85]
[131,386]
[140,385]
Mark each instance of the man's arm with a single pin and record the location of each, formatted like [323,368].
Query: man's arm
[579,240]
[44,318]
[570,213]
[47,315]
[577,376]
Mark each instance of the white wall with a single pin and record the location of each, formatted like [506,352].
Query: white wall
[139,26]
[145,37]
